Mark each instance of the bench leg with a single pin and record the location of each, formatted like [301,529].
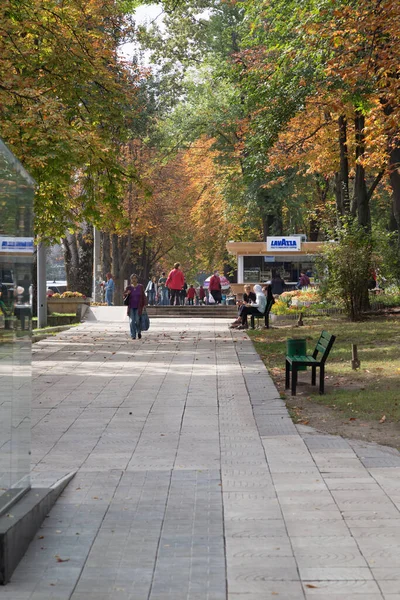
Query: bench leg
[313,375]
[252,321]
[294,378]
[287,380]
[322,379]
[267,320]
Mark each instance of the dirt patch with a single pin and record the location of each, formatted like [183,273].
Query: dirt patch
[332,420]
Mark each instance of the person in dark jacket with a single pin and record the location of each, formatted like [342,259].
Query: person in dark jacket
[277,285]
[267,289]
[248,298]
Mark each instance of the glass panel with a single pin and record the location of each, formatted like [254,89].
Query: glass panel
[16,261]
[263,268]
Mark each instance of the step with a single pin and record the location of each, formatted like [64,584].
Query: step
[119,313]
[214,312]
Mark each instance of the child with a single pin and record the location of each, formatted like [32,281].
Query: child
[202,294]
[191,294]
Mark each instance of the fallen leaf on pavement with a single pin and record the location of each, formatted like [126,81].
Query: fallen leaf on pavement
[383,419]
[60,560]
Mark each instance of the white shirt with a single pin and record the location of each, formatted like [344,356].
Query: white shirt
[261,302]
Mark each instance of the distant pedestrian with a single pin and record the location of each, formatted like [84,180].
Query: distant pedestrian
[109,289]
[202,295]
[191,294]
[304,280]
[163,290]
[183,292]
[215,287]
[175,282]
[137,301]
[151,291]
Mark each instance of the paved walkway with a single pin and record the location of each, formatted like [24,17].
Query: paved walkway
[193,483]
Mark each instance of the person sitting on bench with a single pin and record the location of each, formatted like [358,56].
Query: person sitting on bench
[256,308]
[248,297]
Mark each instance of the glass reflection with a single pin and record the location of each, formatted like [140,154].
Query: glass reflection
[16,259]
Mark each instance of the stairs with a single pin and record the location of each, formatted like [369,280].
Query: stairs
[193,312]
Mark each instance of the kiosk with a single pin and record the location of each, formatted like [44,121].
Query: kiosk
[287,256]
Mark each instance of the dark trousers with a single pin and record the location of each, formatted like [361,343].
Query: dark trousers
[249,310]
[190,301]
[175,297]
[216,294]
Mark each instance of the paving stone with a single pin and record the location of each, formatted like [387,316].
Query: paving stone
[192,479]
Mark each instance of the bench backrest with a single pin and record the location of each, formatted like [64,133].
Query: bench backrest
[324,345]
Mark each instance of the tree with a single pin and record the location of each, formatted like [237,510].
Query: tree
[66,104]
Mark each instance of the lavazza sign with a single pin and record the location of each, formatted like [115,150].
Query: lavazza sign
[284,243]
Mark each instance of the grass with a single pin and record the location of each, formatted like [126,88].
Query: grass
[369,392]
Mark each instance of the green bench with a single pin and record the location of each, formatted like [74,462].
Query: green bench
[323,348]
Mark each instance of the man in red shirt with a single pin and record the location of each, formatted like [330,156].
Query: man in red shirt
[175,282]
[215,288]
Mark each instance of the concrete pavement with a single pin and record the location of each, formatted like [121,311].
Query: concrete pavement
[193,483]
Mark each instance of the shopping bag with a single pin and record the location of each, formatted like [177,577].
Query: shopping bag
[144,321]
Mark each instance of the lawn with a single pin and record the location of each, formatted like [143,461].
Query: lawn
[368,393]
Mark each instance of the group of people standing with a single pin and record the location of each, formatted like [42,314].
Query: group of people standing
[172,290]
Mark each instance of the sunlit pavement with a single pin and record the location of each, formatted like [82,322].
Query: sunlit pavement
[192,482]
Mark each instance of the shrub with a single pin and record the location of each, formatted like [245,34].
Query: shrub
[345,268]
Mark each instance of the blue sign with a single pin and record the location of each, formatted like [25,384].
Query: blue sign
[283,243]
[16,245]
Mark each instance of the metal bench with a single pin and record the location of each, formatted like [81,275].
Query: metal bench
[265,314]
[323,348]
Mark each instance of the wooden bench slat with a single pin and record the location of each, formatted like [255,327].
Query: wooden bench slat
[320,348]
[298,359]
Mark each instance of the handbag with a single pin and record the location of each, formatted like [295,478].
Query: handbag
[144,321]
[126,299]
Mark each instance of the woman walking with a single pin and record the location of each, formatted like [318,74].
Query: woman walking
[137,301]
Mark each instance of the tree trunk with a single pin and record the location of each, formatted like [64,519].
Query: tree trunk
[361,197]
[116,268]
[394,166]
[342,180]
[78,256]
[105,254]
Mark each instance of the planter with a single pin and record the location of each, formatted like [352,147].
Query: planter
[283,319]
[67,305]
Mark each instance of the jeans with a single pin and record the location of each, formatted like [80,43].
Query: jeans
[151,297]
[109,298]
[175,297]
[164,297]
[134,322]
